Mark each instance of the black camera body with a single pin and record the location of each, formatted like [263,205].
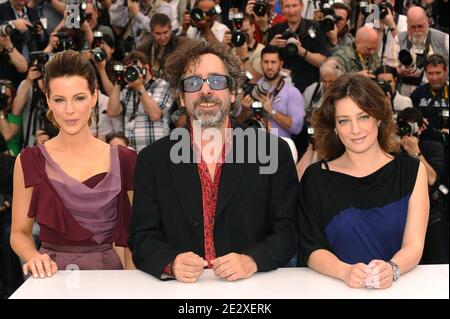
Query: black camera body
[82,17]
[65,41]
[41,57]
[383,8]
[407,128]
[6,29]
[385,87]
[198,15]
[261,8]
[132,73]
[329,20]
[98,54]
[238,37]
[256,90]
[98,39]
[291,48]
[3,97]
[119,74]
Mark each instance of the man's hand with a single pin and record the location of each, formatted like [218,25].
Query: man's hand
[278,41]
[332,35]
[133,7]
[411,144]
[267,103]
[22,24]
[188,267]
[137,85]
[5,42]
[234,266]
[408,72]
[367,74]
[33,73]
[242,51]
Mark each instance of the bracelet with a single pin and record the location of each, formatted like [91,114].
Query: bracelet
[11,49]
[306,53]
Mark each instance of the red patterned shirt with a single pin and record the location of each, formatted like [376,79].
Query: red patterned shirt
[210,190]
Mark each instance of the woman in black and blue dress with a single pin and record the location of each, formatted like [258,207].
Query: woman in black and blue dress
[363,209]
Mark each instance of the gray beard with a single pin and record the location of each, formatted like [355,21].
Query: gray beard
[209,120]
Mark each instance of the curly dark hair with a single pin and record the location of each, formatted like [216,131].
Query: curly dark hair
[370,98]
[181,59]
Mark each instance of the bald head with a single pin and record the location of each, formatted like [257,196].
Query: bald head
[417,22]
[367,41]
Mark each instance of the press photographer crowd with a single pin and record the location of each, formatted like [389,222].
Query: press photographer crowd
[291,52]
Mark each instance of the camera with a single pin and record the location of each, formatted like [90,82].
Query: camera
[291,48]
[82,7]
[444,116]
[261,8]
[238,38]
[119,73]
[3,97]
[41,57]
[383,8]
[329,18]
[65,41]
[405,58]
[407,128]
[6,29]
[385,87]
[98,39]
[255,91]
[257,120]
[98,54]
[198,15]
[132,73]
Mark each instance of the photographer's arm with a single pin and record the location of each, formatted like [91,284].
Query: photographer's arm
[59,6]
[411,146]
[282,119]
[7,130]
[106,83]
[17,59]
[114,106]
[22,97]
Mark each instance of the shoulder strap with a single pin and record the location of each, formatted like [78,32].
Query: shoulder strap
[325,163]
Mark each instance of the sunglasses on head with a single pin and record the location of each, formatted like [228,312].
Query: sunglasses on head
[215,81]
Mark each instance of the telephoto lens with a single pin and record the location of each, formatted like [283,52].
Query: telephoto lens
[261,7]
[6,30]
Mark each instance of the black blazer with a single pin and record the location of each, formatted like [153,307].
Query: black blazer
[256,213]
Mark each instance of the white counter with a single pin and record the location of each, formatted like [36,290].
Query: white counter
[286,283]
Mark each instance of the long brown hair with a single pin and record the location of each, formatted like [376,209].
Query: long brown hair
[370,98]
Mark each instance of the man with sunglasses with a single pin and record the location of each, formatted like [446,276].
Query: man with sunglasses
[202,197]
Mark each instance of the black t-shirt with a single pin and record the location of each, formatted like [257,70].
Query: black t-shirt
[431,105]
[312,39]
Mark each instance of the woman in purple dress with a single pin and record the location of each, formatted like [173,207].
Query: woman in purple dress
[76,187]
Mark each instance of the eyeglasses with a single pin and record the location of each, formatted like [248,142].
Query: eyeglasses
[215,81]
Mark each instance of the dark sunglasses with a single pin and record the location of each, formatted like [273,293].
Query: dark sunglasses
[215,81]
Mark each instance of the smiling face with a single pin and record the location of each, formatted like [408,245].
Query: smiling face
[210,107]
[71,102]
[357,130]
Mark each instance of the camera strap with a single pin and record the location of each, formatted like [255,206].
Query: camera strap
[315,95]
[420,58]
[277,90]
[442,93]
[385,34]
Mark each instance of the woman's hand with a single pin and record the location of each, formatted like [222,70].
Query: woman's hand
[40,266]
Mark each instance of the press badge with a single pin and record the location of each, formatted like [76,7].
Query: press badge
[312,32]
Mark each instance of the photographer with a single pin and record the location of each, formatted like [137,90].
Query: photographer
[12,62]
[361,57]
[29,33]
[303,43]
[283,103]
[160,44]
[248,50]
[144,102]
[387,78]
[334,23]
[31,105]
[391,24]
[431,153]
[130,18]
[415,45]
[264,17]
[432,98]
[200,23]
[9,123]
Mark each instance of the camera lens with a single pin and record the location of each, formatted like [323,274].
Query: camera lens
[132,73]
[238,38]
[98,54]
[197,15]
